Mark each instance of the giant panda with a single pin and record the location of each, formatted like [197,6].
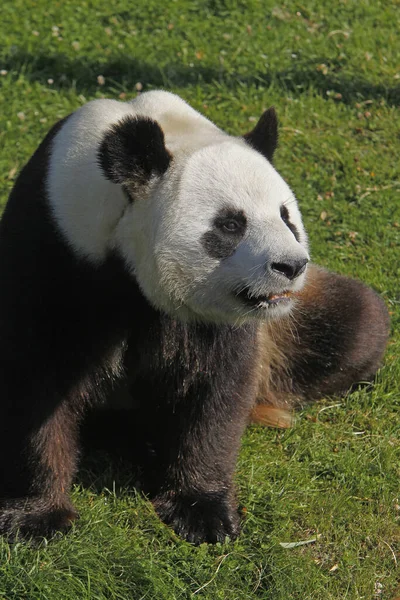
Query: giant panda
[142,243]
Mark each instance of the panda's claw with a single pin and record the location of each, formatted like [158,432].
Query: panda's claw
[199,518]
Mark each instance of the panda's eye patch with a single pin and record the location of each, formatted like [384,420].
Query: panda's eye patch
[226,233]
[286,219]
[231,221]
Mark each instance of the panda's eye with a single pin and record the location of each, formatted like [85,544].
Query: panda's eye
[231,226]
[231,221]
[286,219]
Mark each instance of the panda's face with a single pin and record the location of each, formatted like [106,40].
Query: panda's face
[207,227]
[219,237]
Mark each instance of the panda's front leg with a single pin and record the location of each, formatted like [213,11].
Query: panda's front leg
[201,439]
[38,457]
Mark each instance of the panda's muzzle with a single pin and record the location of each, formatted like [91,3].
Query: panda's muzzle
[263,300]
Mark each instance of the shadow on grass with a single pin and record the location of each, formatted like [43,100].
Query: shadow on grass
[122,73]
[114,451]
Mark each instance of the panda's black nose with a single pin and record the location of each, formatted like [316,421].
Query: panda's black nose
[290,269]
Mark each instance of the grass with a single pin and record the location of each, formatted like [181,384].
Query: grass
[332,71]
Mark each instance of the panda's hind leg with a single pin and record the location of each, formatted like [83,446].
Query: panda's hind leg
[334,338]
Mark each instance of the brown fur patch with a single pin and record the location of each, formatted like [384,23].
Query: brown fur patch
[275,402]
[270,416]
[335,337]
[55,450]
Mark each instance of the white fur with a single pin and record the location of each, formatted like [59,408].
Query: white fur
[159,234]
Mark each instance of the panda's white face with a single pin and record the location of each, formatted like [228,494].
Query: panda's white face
[218,238]
[205,224]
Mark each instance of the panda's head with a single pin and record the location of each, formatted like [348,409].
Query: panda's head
[204,222]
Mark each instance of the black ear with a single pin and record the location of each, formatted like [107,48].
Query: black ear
[264,136]
[132,150]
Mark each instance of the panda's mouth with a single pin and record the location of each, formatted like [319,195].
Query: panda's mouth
[264,301]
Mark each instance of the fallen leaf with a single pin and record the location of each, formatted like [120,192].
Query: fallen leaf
[296,544]
[12,173]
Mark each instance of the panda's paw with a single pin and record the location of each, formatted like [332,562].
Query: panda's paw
[35,519]
[197,518]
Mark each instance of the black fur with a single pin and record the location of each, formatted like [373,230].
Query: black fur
[341,328]
[133,150]
[197,386]
[264,136]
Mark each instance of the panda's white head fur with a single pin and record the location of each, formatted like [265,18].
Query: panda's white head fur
[204,222]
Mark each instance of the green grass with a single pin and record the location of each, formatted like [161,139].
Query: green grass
[332,71]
